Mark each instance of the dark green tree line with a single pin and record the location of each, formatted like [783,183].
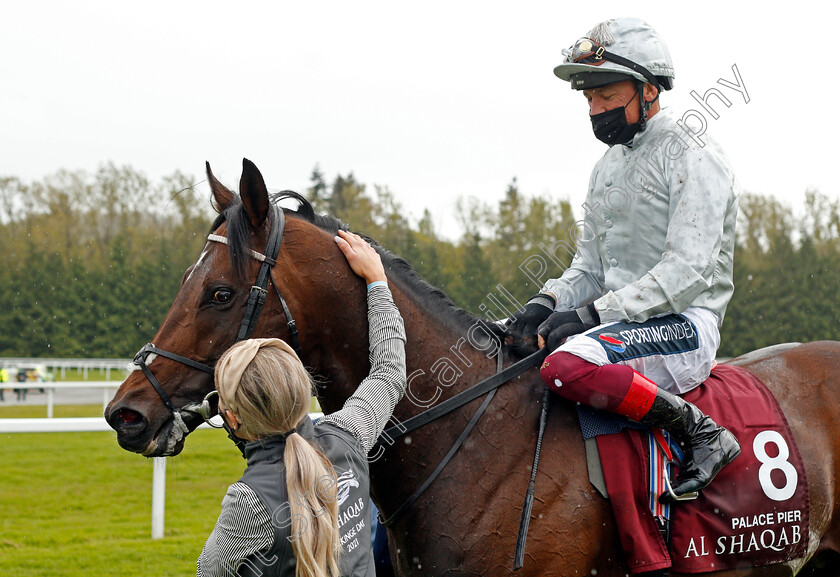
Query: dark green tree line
[90,263]
[787,274]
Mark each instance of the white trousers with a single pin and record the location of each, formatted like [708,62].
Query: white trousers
[675,353]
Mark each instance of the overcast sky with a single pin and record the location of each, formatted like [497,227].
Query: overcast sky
[435,100]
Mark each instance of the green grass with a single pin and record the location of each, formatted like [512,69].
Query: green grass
[76,504]
[59,411]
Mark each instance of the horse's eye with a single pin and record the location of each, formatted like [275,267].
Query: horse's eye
[222,296]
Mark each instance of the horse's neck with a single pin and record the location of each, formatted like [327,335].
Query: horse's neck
[443,356]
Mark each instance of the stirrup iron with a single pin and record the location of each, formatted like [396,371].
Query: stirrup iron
[684,497]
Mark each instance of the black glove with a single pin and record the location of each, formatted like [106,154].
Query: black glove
[567,323]
[536,310]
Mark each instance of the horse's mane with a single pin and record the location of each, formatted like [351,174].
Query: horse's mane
[434,298]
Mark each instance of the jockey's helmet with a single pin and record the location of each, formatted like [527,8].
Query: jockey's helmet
[616,50]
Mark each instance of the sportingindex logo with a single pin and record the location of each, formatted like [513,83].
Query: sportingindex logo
[666,335]
[612,342]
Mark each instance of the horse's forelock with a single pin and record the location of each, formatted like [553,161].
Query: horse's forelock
[239,230]
[238,235]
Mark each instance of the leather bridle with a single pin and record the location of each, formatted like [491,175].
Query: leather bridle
[256,300]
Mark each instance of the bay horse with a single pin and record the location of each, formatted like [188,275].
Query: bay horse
[466,522]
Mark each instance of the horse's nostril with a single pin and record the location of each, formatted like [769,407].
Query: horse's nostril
[127,421]
[128,416]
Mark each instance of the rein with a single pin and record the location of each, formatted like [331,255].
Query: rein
[489,385]
[256,301]
[465,397]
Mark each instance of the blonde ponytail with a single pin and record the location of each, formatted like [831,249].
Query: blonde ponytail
[264,384]
[311,483]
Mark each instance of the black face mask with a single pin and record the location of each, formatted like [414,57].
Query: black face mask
[611,127]
[239,442]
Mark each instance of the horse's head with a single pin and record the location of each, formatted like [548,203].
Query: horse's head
[154,408]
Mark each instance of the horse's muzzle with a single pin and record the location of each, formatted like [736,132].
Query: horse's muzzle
[136,433]
[132,427]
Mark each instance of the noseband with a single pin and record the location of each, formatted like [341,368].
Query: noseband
[256,300]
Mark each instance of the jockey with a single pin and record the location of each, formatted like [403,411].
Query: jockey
[635,319]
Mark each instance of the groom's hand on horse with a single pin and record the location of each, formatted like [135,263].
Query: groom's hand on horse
[564,324]
[362,257]
[522,327]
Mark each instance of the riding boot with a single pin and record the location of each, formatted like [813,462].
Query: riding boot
[620,389]
[708,446]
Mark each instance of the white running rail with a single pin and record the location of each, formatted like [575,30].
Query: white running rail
[108,388]
[88,424]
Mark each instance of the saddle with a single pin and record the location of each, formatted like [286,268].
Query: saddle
[754,513]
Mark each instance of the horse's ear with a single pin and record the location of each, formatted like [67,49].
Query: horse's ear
[222,196]
[254,194]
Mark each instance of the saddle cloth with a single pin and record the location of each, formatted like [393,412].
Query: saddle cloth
[754,513]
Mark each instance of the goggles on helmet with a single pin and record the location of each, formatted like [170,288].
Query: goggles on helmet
[589,51]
